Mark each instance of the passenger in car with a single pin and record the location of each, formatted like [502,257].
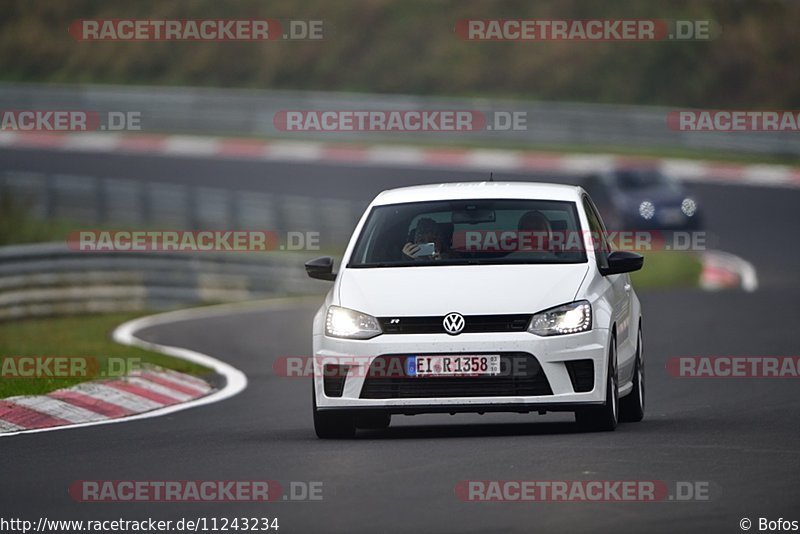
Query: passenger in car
[538,229]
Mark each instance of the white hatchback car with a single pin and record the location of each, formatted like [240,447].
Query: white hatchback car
[478,297]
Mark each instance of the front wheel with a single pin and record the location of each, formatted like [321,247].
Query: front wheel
[631,407]
[604,418]
[333,424]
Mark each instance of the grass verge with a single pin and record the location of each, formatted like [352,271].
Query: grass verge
[663,269]
[86,336]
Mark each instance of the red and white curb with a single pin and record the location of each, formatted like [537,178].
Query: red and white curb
[149,392]
[722,270]
[512,161]
[140,391]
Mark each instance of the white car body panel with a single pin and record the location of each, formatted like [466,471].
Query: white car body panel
[467,289]
[482,290]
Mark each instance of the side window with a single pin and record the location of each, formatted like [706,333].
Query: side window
[598,233]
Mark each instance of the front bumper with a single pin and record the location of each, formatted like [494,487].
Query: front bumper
[552,354]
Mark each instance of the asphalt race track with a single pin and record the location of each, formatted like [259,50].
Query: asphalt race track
[741,436]
[755,223]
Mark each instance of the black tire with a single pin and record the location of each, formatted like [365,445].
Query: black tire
[603,418]
[332,424]
[374,420]
[631,407]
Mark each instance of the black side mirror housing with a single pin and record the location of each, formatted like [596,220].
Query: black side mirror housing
[622,261]
[321,268]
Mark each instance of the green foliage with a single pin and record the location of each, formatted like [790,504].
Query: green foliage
[86,336]
[409,46]
[668,269]
[18,225]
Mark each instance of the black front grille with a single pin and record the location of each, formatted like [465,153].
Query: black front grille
[472,324]
[581,374]
[520,375]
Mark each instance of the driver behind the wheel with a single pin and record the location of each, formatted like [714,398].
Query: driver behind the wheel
[427,231]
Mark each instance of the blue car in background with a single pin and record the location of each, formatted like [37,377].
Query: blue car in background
[642,198]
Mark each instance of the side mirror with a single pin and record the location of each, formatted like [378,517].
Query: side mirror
[622,261]
[321,269]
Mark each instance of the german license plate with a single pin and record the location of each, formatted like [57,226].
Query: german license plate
[456,365]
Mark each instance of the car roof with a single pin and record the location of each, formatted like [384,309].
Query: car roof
[479,190]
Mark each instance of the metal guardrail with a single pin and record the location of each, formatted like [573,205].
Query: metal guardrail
[251,112]
[51,279]
[146,204]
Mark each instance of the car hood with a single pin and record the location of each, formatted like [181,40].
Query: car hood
[468,289]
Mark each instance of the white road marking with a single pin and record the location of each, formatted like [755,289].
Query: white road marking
[291,151]
[187,145]
[8,138]
[395,155]
[91,142]
[585,163]
[500,160]
[684,169]
[235,380]
[767,174]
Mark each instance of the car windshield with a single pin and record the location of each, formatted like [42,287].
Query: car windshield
[643,179]
[470,232]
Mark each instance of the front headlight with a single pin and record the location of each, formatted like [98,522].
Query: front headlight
[342,322]
[647,210]
[688,207]
[567,319]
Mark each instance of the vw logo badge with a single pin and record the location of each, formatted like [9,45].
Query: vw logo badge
[453,323]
